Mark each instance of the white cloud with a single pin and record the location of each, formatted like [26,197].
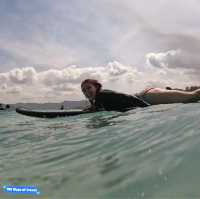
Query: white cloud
[175,59]
[27,84]
[3,78]
[23,76]
[61,84]
[15,90]
[117,69]
[181,67]
[164,59]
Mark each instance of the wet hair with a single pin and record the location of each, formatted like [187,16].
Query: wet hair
[93,82]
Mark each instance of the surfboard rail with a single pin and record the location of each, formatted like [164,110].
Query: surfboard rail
[49,113]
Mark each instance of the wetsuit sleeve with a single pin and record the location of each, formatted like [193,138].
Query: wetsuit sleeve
[111,100]
[93,107]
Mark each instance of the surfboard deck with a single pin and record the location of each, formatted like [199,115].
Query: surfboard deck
[50,113]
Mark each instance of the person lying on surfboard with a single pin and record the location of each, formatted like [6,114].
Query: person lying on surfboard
[101,99]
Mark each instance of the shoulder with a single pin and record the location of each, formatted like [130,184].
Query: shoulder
[106,93]
[110,95]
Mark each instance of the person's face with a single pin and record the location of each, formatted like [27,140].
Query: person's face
[89,90]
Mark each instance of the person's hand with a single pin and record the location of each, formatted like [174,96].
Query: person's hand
[90,109]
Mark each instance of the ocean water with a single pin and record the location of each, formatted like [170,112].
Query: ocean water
[148,152]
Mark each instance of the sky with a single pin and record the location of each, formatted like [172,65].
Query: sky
[48,47]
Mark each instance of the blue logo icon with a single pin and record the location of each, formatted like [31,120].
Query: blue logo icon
[31,190]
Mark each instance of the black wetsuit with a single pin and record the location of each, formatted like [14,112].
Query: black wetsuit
[113,101]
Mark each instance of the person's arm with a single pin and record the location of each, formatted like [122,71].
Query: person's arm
[89,109]
[92,107]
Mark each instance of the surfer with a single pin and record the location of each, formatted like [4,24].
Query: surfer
[109,100]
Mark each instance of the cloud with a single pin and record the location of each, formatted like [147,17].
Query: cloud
[181,67]
[14,90]
[60,84]
[3,78]
[56,85]
[117,69]
[165,59]
[23,76]
[175,59]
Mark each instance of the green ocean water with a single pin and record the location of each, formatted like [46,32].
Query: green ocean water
[148,152]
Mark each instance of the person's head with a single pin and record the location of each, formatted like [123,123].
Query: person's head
[90,87]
